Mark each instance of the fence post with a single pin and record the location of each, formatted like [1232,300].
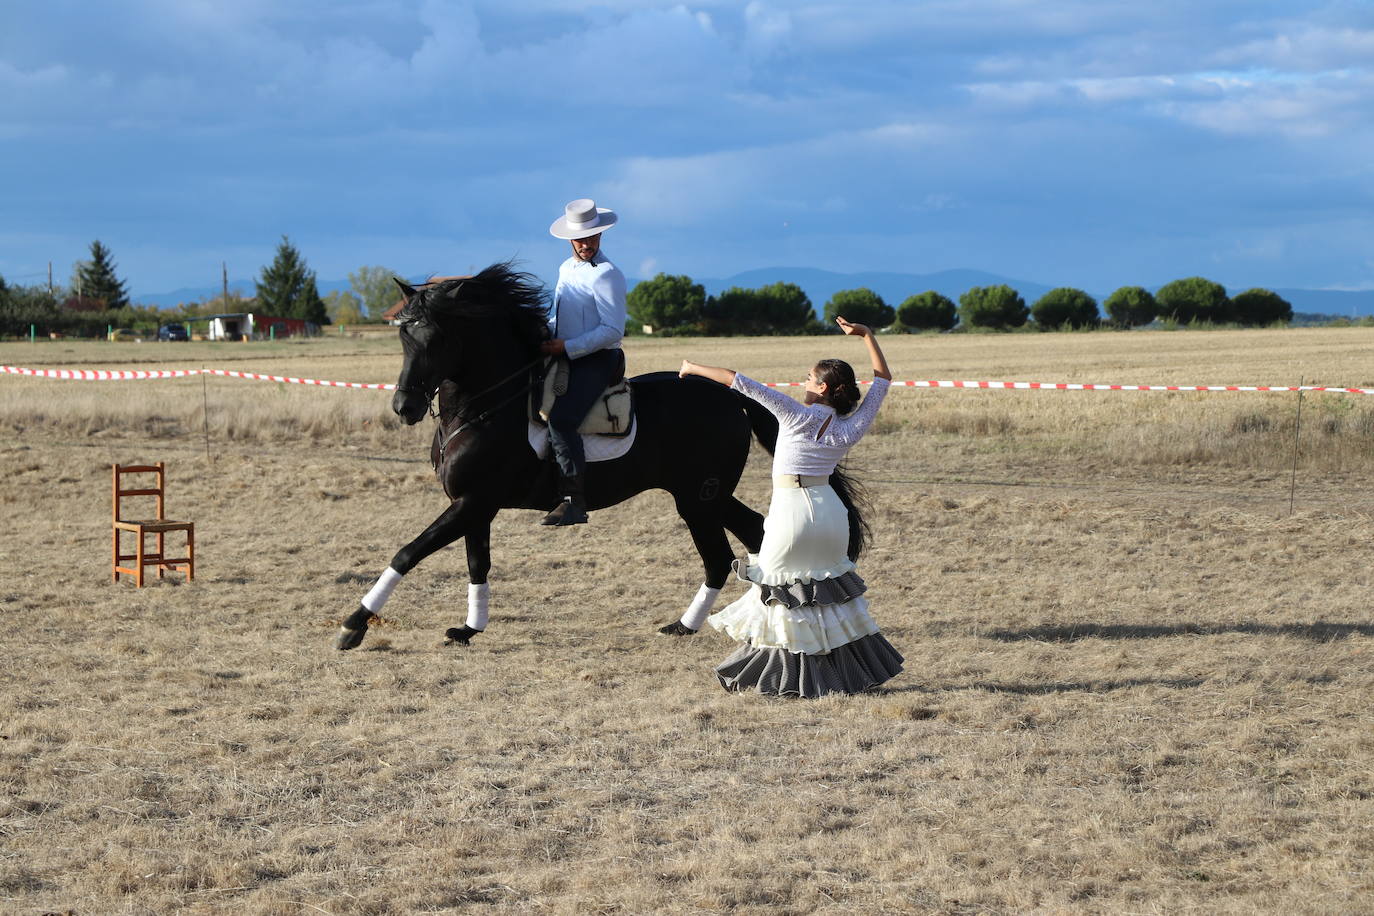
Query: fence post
[1297,430]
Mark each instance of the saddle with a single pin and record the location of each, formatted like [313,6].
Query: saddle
[611,415]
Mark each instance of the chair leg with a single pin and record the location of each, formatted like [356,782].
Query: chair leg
[114,562]
[138,557]
[190,554]
[161,554]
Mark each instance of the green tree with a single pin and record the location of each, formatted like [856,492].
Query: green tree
[785,308]
[1259,307]
[1065,307]
[96,279]
[928,311]
[1131,307]
[861,306]
[344,307]
[666,302]
[779,308]
[286,288]
[22,306]
[1193,299]
[375,289]
[992,307]
[734,311]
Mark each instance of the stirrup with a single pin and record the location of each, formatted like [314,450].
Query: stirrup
[566,513]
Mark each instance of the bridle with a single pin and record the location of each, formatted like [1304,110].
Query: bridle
[487,414]
[484,416]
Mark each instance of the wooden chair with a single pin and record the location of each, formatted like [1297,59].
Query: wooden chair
[159,526]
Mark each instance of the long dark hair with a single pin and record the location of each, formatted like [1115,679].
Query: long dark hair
[842,390]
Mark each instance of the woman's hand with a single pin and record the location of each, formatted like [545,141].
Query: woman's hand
[724,376]
[857,330]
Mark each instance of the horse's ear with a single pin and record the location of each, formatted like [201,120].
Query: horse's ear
[406,289]
[453,293]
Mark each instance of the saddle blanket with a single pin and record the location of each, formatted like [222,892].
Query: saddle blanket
[598,448]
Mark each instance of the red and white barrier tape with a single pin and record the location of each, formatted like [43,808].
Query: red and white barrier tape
[107,375]
[120,375]
[291,380]
[1085,386]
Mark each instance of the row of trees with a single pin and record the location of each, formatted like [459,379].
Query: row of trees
[676,305]
[98,298]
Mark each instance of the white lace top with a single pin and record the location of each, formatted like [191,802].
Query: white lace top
[802,447]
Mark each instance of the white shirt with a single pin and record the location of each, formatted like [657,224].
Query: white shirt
[802,448]
[588,311]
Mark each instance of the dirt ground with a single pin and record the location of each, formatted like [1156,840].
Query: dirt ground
[1136,680]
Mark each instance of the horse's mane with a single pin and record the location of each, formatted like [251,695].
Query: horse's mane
[498,291]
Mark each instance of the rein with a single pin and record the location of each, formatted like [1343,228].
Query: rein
[486,415]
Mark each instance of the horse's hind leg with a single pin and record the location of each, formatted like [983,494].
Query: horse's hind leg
[714,548]
[454,522]
[744,523]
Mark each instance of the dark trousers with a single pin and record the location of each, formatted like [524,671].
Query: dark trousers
[588,376]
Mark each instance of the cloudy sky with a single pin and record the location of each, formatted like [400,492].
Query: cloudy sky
[1073,142]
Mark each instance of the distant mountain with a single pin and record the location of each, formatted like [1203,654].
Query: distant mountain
[820,285]
[1340,303]
[201,293]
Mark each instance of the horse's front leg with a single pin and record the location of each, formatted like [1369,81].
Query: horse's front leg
[478,543]
[709,536]
[460,518]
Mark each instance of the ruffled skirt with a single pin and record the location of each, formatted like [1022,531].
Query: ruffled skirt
[804,625]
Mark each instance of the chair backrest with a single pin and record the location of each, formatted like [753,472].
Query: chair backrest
[121,491]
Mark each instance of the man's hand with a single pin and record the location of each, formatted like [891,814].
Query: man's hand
[554,347]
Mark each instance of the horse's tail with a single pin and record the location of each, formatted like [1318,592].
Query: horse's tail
[763,423]
[854,496]
[851,493]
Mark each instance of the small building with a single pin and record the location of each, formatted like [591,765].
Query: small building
[253,326]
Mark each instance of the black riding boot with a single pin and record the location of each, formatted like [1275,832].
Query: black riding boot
[573,509]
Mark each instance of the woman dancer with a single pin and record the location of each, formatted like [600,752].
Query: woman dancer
[804,625]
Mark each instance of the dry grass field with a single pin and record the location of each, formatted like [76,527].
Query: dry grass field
[1136,681]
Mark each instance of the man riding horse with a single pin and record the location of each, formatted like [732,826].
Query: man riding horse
[586,324]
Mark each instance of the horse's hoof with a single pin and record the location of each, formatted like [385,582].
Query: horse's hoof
[677,628]
[460,636]
[350,639]
[353,629]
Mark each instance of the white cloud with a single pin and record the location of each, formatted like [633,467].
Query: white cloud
[1305,47]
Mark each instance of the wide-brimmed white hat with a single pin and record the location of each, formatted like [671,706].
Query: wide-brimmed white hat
[582,218]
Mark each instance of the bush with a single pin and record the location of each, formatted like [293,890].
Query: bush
[1194,299]
[861,306]
[1259,307]
[1131,307]
[1065,307]
[992,307]
[927,311]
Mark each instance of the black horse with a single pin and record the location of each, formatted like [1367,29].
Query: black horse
[475,344]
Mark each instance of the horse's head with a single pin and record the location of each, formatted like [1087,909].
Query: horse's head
[465,330]
[421,347]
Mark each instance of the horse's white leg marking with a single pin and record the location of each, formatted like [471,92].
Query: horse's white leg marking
[479,600]
[700,607]
[382,590]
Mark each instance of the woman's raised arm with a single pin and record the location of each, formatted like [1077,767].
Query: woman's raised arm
[875,352]
[714,373]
